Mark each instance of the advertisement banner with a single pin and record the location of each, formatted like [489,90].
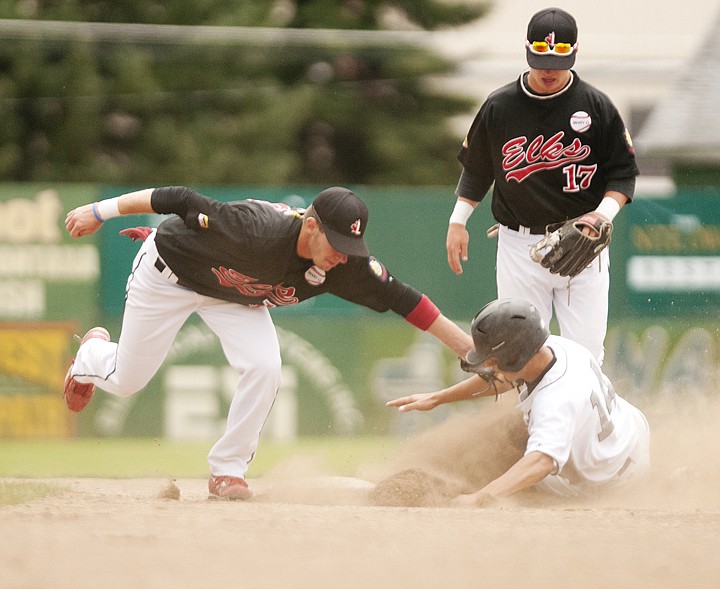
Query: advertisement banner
[672,257]
[33,361]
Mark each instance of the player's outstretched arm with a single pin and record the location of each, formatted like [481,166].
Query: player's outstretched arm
[417,402]
[470,388]
[87,219]
[450,334]
[526,472]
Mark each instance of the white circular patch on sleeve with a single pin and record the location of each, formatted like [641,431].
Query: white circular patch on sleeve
[580,121]
[315,276]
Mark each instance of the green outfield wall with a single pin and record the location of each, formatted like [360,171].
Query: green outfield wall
[341,362]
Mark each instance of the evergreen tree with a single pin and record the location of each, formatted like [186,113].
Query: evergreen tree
[158,109]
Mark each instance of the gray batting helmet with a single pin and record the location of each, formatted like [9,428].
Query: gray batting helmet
[509,330]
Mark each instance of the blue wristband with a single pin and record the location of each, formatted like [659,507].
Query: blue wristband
[97,215]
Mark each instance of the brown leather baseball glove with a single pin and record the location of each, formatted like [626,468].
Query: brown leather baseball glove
[570,247]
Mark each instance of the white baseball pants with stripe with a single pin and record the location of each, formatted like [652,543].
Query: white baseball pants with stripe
[155,310]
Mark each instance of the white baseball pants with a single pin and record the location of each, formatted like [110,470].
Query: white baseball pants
[155,310]
[580,303]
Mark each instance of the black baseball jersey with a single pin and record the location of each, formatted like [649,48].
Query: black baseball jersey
[245,252]
[551,158]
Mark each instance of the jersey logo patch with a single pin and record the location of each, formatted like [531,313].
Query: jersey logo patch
[580,121]
[315,275]
[628,140]
[377,269]
[522,158]
[203,221]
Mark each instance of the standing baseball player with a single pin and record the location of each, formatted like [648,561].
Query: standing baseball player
[582,436]
[230,263]
[556,149]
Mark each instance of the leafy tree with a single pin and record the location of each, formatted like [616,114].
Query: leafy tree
[229,108]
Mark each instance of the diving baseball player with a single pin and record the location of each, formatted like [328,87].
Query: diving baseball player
[582,436]
[230,263]
[554,148]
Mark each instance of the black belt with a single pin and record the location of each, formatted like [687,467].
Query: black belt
[160,265]
[537,230]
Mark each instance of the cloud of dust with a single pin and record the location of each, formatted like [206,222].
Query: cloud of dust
[684,451]
[468,450]
[473,447]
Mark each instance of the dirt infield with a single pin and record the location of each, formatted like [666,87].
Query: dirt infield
[322,531]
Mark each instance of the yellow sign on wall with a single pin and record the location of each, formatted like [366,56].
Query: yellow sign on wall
[33,360]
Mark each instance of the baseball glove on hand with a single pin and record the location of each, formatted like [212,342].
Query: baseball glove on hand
[137,233]
[567,249]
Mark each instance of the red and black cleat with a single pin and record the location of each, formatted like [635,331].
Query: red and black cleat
[228,488]
[77,395]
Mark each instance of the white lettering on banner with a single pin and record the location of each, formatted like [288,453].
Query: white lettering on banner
[314,365]
[22,299]
[674,273]
[192,404]
[301,360]
[50,262]
[31,220]
[112,414]
[193,411]
[191,339]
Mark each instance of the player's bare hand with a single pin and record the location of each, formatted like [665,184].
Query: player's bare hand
[456,244]
[417,402]
[81,221]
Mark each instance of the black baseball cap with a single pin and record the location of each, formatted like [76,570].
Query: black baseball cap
[343,217]
[552,25]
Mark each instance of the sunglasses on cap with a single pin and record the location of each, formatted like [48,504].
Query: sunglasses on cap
[544,48]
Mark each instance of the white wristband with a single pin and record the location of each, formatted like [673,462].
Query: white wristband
[108,208]
[461,213]
[608,207]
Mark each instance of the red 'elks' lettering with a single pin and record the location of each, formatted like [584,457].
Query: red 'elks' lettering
[540,155]
[275,295]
